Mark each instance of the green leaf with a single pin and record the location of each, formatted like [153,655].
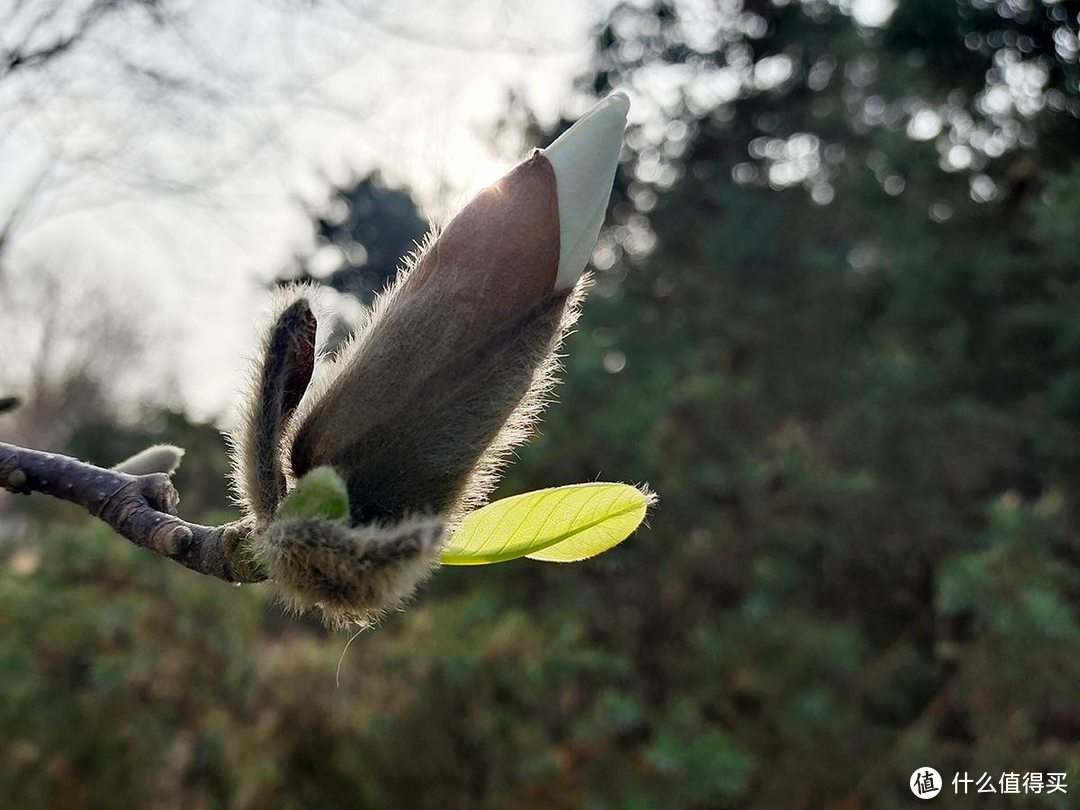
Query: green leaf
[562,524]
[320,493]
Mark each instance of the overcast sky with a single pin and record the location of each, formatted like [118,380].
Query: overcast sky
[167,156]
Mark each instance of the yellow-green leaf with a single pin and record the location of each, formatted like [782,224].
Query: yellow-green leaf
[562,524]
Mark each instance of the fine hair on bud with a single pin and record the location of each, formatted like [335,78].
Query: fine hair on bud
[159,458]
[278,378]
[526,414]
[351,575]
[419,417]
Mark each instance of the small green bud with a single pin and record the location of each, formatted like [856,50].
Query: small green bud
[319,494]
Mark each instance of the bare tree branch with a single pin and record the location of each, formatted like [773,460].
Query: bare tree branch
[141,508]
[17,58]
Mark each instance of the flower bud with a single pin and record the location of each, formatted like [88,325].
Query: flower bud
[450,370]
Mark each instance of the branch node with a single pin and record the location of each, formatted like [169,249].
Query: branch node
[159,492]
[141,508]
[177,541]
[16,481]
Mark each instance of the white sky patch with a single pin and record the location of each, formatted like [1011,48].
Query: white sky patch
[198,195]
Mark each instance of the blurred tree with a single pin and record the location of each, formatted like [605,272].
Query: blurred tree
[71,343]
[833,307]
[361,235]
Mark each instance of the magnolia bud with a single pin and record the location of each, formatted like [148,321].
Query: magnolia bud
[448,373]
[417,410]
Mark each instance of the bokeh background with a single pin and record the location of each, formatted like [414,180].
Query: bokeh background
[836,325]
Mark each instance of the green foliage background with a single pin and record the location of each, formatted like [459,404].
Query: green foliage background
[863,419]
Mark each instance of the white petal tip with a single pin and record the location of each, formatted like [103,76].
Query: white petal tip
[618,99]
[584,159]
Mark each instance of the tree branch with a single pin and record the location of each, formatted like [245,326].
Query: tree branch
[16,59]
[141,508]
